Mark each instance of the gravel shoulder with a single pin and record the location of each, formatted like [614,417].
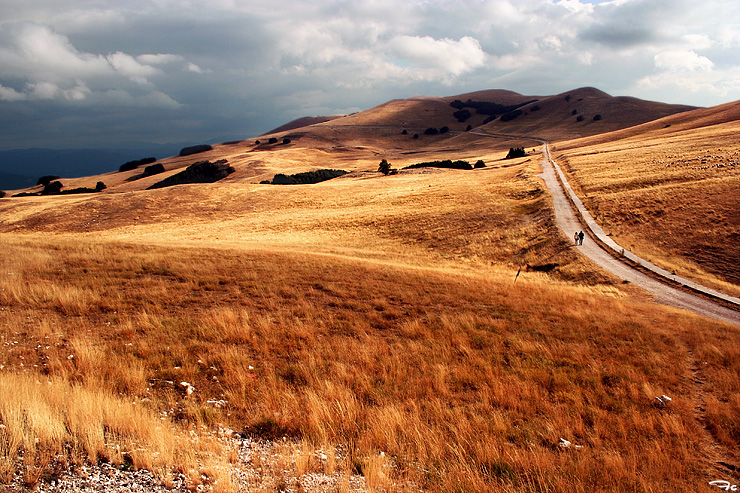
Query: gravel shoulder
[568,222]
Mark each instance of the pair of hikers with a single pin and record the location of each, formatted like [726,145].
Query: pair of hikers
[578,238]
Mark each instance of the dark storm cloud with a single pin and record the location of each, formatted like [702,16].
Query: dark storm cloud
[97,72]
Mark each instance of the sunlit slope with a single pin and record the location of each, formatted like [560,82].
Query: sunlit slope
[582,112]
[396,131]
[668,189]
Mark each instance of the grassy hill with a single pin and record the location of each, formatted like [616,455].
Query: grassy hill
[428,330]
[668,190]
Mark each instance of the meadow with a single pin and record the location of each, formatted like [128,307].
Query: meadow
[670,194]
[382,320]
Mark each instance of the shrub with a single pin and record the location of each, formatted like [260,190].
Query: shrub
[597,118]
[200,172]
[53,188]
[515,152]
[384,167]
[489,119]
[568,97]
[444,129]
[574,112]
[457,104]
[45,180]
[442,164]
[128,166]
[468,128]
[187,151]
[462,115]
[257,142]
[416,136]
[507,117]
[154,169]
[404,132]
[580,118]
[265,182]
[100,186]
[431,131]
[479,164]
[2,194]
[308,177]
[286,141]
[273,140]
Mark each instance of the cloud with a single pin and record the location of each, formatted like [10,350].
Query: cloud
[450,56]
[682,61]
[173,70]
[50,68]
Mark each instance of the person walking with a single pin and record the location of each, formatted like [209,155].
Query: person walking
[580,238]
[575,238]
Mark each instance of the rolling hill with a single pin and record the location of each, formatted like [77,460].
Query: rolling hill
[429,330]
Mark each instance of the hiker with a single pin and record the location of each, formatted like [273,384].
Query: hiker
[575,238]
[580,237]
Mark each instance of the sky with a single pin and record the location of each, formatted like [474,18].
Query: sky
[101,73]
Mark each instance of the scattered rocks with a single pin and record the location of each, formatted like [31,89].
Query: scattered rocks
[663,401]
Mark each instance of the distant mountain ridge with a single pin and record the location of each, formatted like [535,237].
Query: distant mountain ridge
[21,168]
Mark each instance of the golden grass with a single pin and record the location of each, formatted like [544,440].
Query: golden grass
[447,378]
[670,196]
[376,316]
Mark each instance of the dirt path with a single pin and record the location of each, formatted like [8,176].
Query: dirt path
[569,223]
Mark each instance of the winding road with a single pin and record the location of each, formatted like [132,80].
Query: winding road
[568,222]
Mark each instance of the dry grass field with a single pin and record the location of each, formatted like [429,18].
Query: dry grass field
[668,190]
[381,319]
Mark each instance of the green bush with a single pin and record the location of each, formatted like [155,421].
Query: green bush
[462,115]
[507,117]
[384,167]
[449,164]
[154,169]
[128,166]
[187,151]
[308,177]
[45,180]
[515,152]
[200,172]
[431,131]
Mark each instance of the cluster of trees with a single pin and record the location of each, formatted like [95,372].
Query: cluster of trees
[484,108]
[435,131]
[128,166]
[55,188]
[515,152]
[200,172]
[306,178]
[448,164]
[187,151]
[273,140]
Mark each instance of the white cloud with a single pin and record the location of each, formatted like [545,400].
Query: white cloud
[159,59]
[10,94]
[452,57]
[128,66]
[52,69]
[682,61]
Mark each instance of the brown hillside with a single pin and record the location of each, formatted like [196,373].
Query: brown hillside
[359,141]
[668,190]
[555,119]
[301,122]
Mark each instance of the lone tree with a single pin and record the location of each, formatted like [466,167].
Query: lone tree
[384,167]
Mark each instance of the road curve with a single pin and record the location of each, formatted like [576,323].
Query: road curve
[568,222]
